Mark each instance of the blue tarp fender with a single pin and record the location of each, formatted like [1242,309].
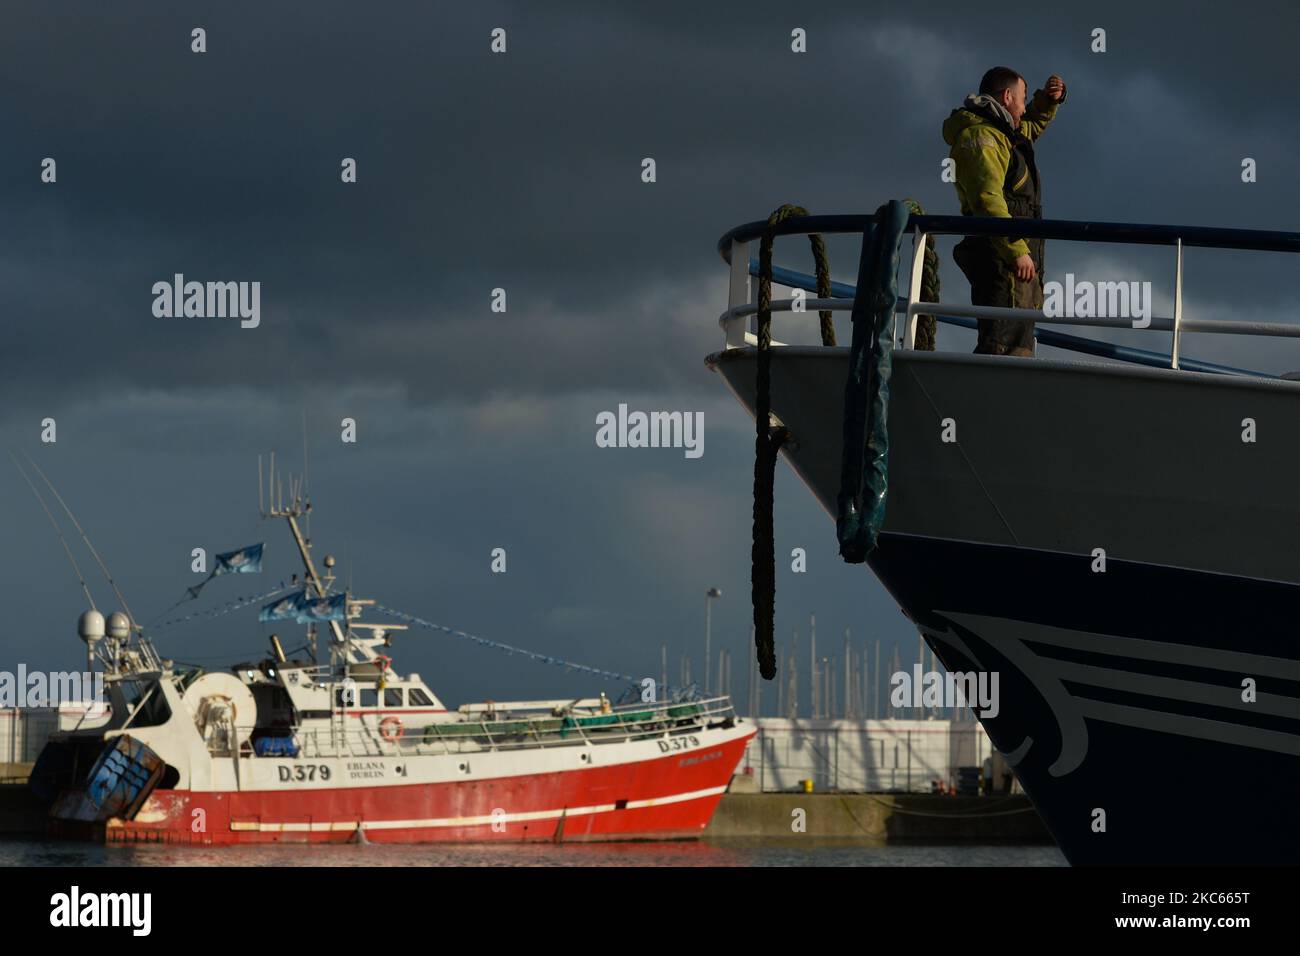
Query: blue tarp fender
[864,464]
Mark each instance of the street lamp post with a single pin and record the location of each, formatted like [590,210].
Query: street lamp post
[709,595]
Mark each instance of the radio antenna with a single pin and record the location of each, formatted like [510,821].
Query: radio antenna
[57,530]
[73,518]
[306,491]
[305,470]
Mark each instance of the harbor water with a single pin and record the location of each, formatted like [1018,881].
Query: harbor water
[789,851]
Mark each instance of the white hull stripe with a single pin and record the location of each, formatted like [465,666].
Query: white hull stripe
[349,825]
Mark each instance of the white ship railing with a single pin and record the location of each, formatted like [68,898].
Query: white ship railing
[735,250]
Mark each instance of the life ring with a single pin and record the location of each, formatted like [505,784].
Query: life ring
[390,728]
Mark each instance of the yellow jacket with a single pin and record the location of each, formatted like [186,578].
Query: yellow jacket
[981,139]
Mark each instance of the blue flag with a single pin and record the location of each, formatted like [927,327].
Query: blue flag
[312,609]
[283,609]
[244,561]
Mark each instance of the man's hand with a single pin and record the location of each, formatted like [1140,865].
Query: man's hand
[1024,268]
[1055,87]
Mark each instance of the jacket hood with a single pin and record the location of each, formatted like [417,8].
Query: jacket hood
[976,110]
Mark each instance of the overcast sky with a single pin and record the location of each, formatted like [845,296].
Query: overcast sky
[522,171]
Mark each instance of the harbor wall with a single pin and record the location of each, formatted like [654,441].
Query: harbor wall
[886,817]
[21,814]
[908,756]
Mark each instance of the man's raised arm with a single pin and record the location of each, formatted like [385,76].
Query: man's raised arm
[1042,108]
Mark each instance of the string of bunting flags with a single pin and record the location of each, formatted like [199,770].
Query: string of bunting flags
[294,606]
[306,609]
[303,608]
[234,605]
[244,561]
[534,655]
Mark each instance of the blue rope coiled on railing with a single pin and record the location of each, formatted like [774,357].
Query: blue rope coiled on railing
[864,464]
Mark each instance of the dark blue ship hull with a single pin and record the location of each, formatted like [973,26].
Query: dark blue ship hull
[1125,695]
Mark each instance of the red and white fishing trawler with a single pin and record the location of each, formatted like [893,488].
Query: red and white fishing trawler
[292,750]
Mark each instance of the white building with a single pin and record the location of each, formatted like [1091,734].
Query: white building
[23,732]
[862,755]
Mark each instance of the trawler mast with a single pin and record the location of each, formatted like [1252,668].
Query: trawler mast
[297,506]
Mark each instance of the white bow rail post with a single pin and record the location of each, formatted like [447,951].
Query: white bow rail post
[913,289]
[1178,304]
[738,293]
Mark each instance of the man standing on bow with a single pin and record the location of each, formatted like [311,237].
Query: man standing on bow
[991,138]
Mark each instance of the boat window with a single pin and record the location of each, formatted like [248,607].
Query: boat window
[418,698]
[153,711]
[369,697]
[345,697]
[393,697]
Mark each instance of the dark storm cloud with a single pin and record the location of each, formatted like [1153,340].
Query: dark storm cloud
[522,171]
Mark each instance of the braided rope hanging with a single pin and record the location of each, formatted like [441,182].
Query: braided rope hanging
[768,439]
[823,266]
[926,326]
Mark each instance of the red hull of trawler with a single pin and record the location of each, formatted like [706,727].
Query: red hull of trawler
[667,798]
